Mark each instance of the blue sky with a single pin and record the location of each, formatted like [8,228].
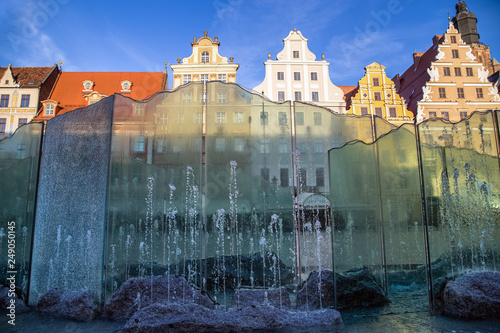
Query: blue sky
[143,35]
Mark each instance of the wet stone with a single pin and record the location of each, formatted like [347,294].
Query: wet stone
[278,298]
[138,293]
[78,306]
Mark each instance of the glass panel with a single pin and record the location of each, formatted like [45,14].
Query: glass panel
[317,130]
[249,206]
[400,208]
[71,204]
[19,161]
[154,197]
[355,196]
[382,126]
[462,185]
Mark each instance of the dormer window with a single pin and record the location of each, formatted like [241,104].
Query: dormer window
[126,85]
[205,57]
[87,85]
[49,109]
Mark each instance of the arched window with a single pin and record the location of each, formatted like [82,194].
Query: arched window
[205,57]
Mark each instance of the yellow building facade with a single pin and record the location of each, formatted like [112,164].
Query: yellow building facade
[204,64]
[376,95]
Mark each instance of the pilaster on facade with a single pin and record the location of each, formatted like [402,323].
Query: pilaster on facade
[204,64]
[376,95]
[296,75]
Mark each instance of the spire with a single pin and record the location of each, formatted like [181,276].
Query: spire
[466,23]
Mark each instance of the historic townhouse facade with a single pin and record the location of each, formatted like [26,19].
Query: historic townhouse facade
[204,64]
[376,95]
[22,89]
[447,81]
[296,75]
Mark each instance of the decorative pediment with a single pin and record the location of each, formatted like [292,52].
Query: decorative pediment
[94,97]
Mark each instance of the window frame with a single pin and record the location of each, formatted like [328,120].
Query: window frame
[460,93]
[479,93]
[376,82]
[3,124]
[205,57]
[296,76]
[446,71]
[315,96]
[4,101]
[295,54]
[377,96]
[314,76]
[297,95]
[280,76]
[442,92]
[25,101]
[458,71]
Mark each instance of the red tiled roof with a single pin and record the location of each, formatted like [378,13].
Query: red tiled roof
[349,92]
[28,76]
[69,90]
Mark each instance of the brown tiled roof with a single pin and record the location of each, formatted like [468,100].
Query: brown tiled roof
[28,77]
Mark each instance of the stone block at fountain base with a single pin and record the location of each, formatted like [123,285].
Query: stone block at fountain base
[78,306]
[355,289]
[138,293]
[191,317]
[473,296]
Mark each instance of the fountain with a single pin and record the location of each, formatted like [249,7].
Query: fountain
[215,194]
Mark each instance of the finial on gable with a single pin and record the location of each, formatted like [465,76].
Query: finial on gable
[294,29]
[205,33]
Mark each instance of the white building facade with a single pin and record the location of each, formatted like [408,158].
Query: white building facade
[296,75]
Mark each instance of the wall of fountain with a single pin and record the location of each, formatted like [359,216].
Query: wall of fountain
[232,191]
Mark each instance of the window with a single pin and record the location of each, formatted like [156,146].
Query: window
[5,101]
[139,144]
[442,93]
[445,115]
[453,39]
[317,119]
[186,78]
[446,71]
[320,176]
[303,176]
[186,98]
[314,76]
[281,96]
[264,173]
[318,147]
[177,144]
[479,92]
[463,114]
[222,77]
[364,111]
[282,121]
[378,112]
[454,53]
[204,78]
[283,146]
[376,82]
[392,112]
[239,144]
[220,144]
[179,117]
[163,118]
[264,146]
[2,125]
[49,109]
[458,71]
[138,109]
[198,119]
[205,57]
[376,96]
[298,96]
[284,179]
[264,118]
[315,96]
[221,98]
[468,71]
[299,118]
[296,76]
[280,75]
[460,92]
[160,145]
[220,117]
[432,114]
[296,54]
[238,117]
[25,101]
